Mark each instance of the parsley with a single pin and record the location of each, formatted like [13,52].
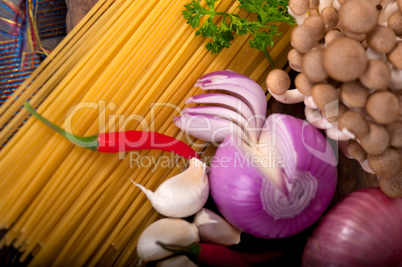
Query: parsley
[231,25]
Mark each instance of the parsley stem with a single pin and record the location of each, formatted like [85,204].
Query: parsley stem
[271,61]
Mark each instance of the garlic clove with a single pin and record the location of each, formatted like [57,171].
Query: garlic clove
[180,260]
[214,229]
[166,230]
[182,195]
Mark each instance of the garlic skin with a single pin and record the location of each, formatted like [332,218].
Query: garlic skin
[181,260]
[166,230]
[182,195]
[214,229]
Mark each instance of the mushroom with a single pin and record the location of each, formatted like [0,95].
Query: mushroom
[295,60]
[345,59]
[332,35]
[330,17]
[360,37]
[304,85]
[278,83]
[395,23]
[313,66]
[387,11]
[371,77]
[299,7]
[324,94]
[315,118]
[354,123]
[303,38]
[313,4]
[383,107]
[324,4]
[386,164]
[355,150]
[395,133]
[396,79]
[354,94]
[382,39]
[358,16]
[318,26]
[392,186]
[299,19]
[400,5]
[395,56]
[376,141]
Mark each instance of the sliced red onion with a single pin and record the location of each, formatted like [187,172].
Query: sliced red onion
[226,114]
[241,86]
[208,128]
[226,101]
[281,206]
[364,229]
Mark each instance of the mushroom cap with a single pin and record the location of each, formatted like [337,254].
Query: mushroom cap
[353,122]
[313,4]
[400,5]
[386,164]
[355,150]
[395,133]
[383,107]
[318,26]
[313,66]
[332,35]
[381,39]
[295,60]
[304,85]
[303,38]
[278,81]
[324,95]
[392,186]
[330,17]
[376,141]
[299,7]
[395,56]
[395,23]
[377,75]
[354,94]
[358,16]
[345,59]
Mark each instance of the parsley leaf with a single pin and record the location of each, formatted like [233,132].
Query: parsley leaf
[269,13]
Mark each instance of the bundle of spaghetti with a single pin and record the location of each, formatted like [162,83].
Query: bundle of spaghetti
[129,65]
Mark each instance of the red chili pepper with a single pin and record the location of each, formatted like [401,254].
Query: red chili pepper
[217,255]
[123,141]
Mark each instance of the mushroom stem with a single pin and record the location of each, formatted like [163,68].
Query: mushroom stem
[315,118]
[337,135]
[291,96]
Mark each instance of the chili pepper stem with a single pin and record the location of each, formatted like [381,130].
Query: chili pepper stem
[87,142]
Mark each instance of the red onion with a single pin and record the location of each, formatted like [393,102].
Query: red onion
[282,195]
[270,181]
[363,229]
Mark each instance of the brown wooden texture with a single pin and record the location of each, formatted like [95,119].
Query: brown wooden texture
[77,9]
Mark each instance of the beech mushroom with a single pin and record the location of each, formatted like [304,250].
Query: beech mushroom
[299,7]
[355,150]
[395,56]
[358,16]
[313,4]
[318,26]
[376,141]
[354,94]
[382,39]
[354,123]
[392,186]
[377,75]
[395,23]
[278,83]
[295,60]
[330,17]
[345,59]
[386,164]
[303,39]
[395,133]
[313,66]
[324,94]
[332,35]
[383,107]
[304,85]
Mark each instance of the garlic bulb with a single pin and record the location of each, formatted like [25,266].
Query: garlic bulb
[167,230]
[182,195]
[181,260]
[214,229]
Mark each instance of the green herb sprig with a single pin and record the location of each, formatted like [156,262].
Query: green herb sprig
[231,25]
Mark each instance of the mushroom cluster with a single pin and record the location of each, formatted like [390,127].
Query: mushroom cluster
[349,57]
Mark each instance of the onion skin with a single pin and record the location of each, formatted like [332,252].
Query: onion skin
[363,229]
[242,193]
